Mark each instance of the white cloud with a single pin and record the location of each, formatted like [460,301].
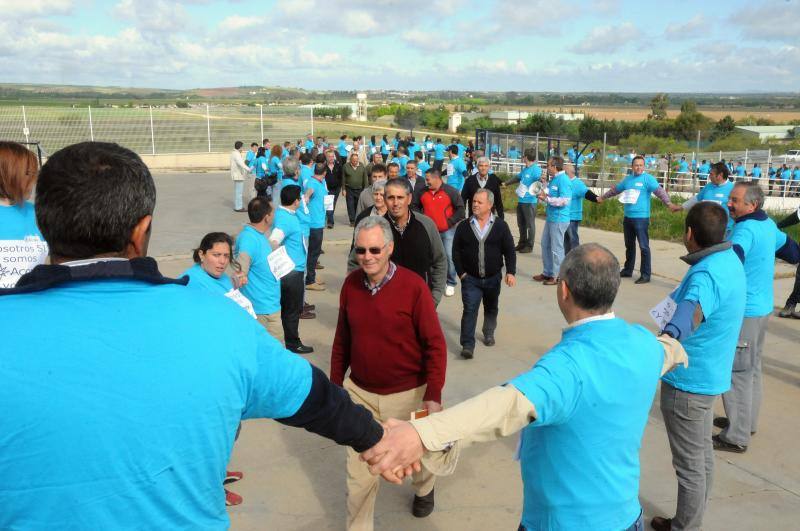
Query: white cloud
[773,20]
[155,16]
[606,39]
[238,22]
[608,7]
[693,28]
[15,8]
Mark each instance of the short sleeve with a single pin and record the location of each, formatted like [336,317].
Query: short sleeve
[246,244]
[652,184]
[780,238]
[743,238]
[700,288]
[281,381]
[622,185]
[553,386]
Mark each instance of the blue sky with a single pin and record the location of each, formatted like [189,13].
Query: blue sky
[533,45]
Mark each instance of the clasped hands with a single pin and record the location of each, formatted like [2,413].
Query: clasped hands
[397,455]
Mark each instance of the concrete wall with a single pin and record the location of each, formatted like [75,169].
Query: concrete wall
[188,161]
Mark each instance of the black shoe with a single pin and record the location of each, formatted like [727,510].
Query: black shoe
[625,274]
[725,446]
[466,353]
[352,223]
[330,226]
[423,505]
[301,349]
[721,422]
[518,247]
[309,307]
[488,340]
[308,315]
[642,280]
[526,250]
[322,251]
[659,523]
[787,311]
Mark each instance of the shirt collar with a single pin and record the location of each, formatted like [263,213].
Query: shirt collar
[697,256]
[385,280]
[292,212]
[758,215]
[477,223]
[87,261]
[579,322]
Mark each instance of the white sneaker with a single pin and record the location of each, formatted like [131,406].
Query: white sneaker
[449,291]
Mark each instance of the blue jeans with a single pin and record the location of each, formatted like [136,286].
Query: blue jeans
[571,239]
[553,247]
[636,229]
[447,241]
[473,291]
[238,188]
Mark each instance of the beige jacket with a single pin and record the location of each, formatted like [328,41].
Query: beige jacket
[238,168]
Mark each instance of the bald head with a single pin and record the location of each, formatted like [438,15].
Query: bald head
[591,273]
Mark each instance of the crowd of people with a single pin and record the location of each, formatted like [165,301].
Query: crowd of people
[138,383]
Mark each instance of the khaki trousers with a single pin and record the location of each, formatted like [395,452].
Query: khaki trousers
[272,322]
[362,487]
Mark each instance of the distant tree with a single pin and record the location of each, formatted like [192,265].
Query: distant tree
[182,104]
[407,118]
[689,121]
[723,128]
[658,107]
[688,106]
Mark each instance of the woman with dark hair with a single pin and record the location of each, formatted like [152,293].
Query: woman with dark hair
[385,148]
[373,147]
[211,261]
[260,166]
[22,246]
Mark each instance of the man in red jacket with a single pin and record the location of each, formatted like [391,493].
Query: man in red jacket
[389,336]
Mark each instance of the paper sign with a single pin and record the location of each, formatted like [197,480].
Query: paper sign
[236,296]
[629,197]
[279,262]
[663,311]
[328,202]
[522,190]
[18,257]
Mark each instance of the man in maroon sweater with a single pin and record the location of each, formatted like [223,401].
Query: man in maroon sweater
[390,338]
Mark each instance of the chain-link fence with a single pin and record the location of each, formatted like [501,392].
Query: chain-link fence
[152,130]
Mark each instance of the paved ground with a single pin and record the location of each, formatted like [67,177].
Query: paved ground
[295,480]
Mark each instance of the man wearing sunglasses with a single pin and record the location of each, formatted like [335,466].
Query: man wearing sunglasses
[389,336]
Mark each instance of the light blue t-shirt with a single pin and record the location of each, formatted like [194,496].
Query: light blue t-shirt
[309,145]
[756,172]
[759,240]
[646,184]
[303,214]
[559,186]
[423,166]
[275,168]
[716,284]
[199,278]
[316,203]
[122,411]
[261,167]
[683,166]
[22,246]
[384,148]
[341,148]
[579,190]
[402,161]
[796,175]
[306,173]
[528,176]
[740,171]
[718,193]
[461,150]
[262,288]
[438,151]
[580,457]
[289,224]
[704,169]
[456,173]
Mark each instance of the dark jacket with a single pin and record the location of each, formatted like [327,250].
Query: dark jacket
[471,186]
[484,258]
[333,177]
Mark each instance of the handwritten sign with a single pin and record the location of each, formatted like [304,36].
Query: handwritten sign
[236,296]
[663,311]
[280,263]
[328,201]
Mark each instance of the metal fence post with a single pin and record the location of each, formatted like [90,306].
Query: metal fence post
[152,131]
[25,130]
[745,158]
[537,148]
[91,127]
[603,166]
[261,119]
[208,127]
[312,120]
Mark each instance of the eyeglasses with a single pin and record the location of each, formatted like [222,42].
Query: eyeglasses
[372,250]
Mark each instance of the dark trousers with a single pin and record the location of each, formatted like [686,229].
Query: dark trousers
[636,229]
[384,156]
[352,202]
[526,221]
[291,305]
[473,291]
[794,297]
[336,192]
[314,248]
[437,165]
[571,238]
